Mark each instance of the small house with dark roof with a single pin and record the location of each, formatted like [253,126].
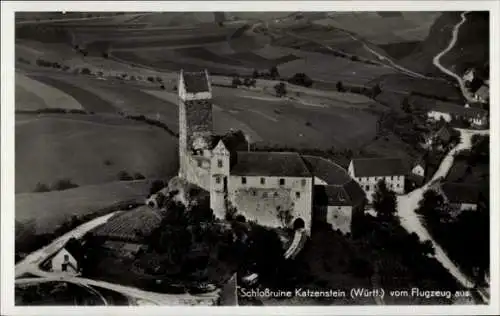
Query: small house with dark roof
[68,259]
[369,171]
[459,196]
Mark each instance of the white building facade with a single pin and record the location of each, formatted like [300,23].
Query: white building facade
[368,172]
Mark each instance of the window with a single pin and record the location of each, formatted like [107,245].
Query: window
[276,194]
[66,258]
[303,182]
[262,180]
[264,195]
[254,193]
[367,188]
[282,181]
[219,163]
[64,267]
[243,180]
[199,163]
[297,194]
[217,180]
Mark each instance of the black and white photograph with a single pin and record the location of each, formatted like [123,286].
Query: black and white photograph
[250,158]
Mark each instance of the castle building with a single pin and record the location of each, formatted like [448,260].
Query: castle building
[274,189]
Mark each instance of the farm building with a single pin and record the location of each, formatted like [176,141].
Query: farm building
[419,167]
[439,139]
[272,188]
[67,259]
[440,110]
[369,171]
[459,196]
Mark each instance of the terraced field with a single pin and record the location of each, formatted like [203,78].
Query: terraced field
[131,225]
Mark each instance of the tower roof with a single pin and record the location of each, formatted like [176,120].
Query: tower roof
[195,82]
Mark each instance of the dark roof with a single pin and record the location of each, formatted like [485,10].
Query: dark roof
[443,134]
[483,92]
[326,170]
[418,180]
[286,164]
[331,195]
[233,141]
[445,107]
[74,247]
[460,192]
[355,192]
[379,167]
[195,82]
[349,194]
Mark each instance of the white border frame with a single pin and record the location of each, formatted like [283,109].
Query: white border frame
[7,153]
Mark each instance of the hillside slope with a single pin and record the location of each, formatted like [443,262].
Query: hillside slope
[471,49]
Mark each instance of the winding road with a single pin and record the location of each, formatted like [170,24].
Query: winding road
[437,59]
[407,204]
[31,265]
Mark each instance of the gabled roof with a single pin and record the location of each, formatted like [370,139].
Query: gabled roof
[273,164]
[443,134]
[326,170]
[232,141]
[379,167]
[195,82]
[483,92]
[460,192]
[444,107]
[74,247]
[348,194]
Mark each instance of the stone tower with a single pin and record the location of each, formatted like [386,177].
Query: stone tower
[195,116]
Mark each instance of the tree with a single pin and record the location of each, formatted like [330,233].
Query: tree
[40,187]
[255,74]
[274,73]
[124,176]
[376,90]
[236,82]
[340,86]
[405,105]
[431,204]
[384,201]
[301,79]
[280,89]
[156,186]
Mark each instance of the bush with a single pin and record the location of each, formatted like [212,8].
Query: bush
[40,187]
[86,71]
[108,162]
[64,184]
[151,79]
[139,176]
[301,79]
[124,176]
[156,186]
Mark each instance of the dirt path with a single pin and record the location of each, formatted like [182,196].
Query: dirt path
[436,61]
[31,265]
[407,204]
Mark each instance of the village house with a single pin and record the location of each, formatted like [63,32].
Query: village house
[274,189]
[458,196]
[438,139]
[482,94]
[443,110]
[369,171]
[67,260]
[419,167]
